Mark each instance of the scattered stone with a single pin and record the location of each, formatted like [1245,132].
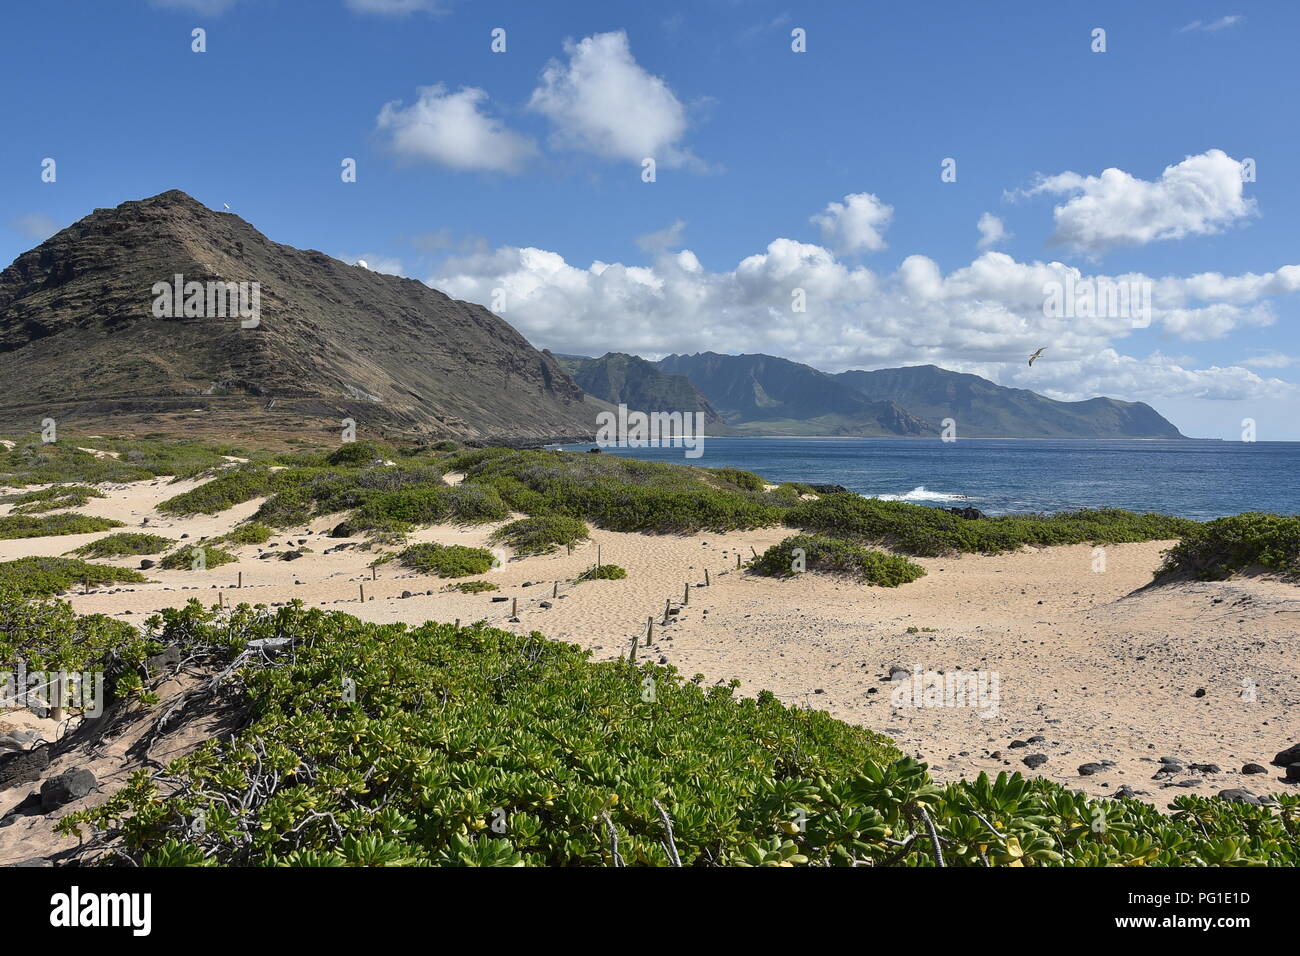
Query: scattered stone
[1254,768]
[23,767]
[66,787]
[1088,769]
[146,564]
[1033,761]
[1288,756]
[1017,744]
[1237,795]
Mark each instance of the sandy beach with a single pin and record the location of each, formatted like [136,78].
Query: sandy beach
[1089,667]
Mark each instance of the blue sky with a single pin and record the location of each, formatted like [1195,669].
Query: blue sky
[776,171]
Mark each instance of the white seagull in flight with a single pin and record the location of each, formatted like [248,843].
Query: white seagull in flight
[1036,354]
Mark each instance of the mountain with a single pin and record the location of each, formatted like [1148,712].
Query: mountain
[764,395]
[80,341]
[982,409]
[630,380]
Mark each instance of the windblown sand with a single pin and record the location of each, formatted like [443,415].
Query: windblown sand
[1089,668]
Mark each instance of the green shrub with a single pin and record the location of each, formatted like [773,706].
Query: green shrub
[930,532]
[833,556]
[358,453]
[123,544]
[454,729]
[472,587]
[52,498]
[602,572]
[33,462]
[40,577]
[446,560]
[182,559]
[541,534]
[745,480]
[1221,548]
[251,532]
[30,526]
[619,494]
[225,491]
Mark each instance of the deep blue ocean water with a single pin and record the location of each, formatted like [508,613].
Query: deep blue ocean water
[1193,479]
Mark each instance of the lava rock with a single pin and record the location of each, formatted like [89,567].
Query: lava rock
[1254,768]
[1088,769]
[1033,761]
[1237,795]
[66,787]
[1287,757]
[23,767]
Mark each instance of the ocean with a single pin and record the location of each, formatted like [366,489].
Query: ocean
[1192,479]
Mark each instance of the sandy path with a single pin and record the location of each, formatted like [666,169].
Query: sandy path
[1098,674]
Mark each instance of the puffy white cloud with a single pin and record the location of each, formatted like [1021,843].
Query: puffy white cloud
[856,224]
[992,231]
[603,102]
[1199,196]
[984,317]
[451,129]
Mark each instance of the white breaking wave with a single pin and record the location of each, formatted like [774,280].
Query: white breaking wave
[920,493]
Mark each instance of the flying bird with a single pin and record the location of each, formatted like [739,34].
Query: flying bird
[1036,354]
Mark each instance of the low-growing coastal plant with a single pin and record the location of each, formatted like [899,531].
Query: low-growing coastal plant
[124,544]
[186,558]
[446,560]
[832,556]
[1226,546]
[250,532]
[386,745]
[39,577]
[472,587]
[932,532]
[43,526]
[54,498]
[603,572]
[541,534]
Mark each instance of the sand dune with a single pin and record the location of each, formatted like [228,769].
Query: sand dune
[1097,669]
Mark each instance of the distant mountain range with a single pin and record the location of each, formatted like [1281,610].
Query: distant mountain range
[82,341]
[765,395]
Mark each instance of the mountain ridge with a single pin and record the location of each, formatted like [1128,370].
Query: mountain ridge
[335,341]
[759,394]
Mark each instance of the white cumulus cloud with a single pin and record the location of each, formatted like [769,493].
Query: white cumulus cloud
[603,102]
[453,130]
[1199,196]
[857,224]
[992,231]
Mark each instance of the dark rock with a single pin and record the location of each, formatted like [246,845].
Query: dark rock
[1288,756]
[1088,769]
[170,657]
[19,740]
[23,767]
[970,514]
[66,787]
[290,555]
[1237,795]
[1016,744]
[546,604]
[1034,761]
[1200,692]
[1254,768]
[1293,771]
[498,599]
[406,594]
[1204,768]
[829,489]
[146,564]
